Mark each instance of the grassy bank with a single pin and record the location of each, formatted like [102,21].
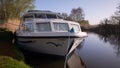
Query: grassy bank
[8,62]
[8,51]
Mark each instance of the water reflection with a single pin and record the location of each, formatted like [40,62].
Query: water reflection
[81,45]
[114,40]
[75,62]
[99,51]
[48,61]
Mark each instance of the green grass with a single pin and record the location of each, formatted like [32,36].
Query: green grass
[18,54]
[8,62]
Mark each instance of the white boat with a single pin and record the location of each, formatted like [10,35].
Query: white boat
[50,34]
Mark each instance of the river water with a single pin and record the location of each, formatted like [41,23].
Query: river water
[96,51]
[100,51]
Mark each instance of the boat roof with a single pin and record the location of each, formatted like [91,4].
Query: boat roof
[40,11]
[50,20]
[46,20]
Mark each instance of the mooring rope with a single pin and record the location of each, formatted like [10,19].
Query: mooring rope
[66,57]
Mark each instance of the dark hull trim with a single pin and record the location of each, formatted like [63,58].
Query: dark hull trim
[48,37]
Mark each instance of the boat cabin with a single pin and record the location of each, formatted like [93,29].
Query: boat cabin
[57,25]
[46,21]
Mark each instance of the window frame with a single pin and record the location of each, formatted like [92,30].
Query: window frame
[42,14]
[50,28]
[51,17]
[71,26]
[28,17]
[55,30]
[24,27]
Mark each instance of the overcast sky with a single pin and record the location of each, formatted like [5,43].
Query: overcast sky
[95,10]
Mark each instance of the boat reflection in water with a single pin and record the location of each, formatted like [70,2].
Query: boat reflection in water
[75,62]
[49,61]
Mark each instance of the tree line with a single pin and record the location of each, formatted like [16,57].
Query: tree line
[109,25]
[11,9]
[77,15]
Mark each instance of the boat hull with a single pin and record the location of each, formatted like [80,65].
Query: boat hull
[52,45]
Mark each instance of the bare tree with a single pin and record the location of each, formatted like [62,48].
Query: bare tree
[117,15]
[77,14]
[105,21]
[65,16]
[113,20]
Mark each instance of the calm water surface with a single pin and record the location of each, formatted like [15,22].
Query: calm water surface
[96,51]
[99,51]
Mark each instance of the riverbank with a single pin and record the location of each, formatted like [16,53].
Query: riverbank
[6,49]
[10,55]
[104,29]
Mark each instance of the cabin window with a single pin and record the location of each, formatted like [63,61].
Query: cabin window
[40,16]
[51,16]
[29,27]
[59,17]
[43,27]
[61,27]
[28,17]
[75,27]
